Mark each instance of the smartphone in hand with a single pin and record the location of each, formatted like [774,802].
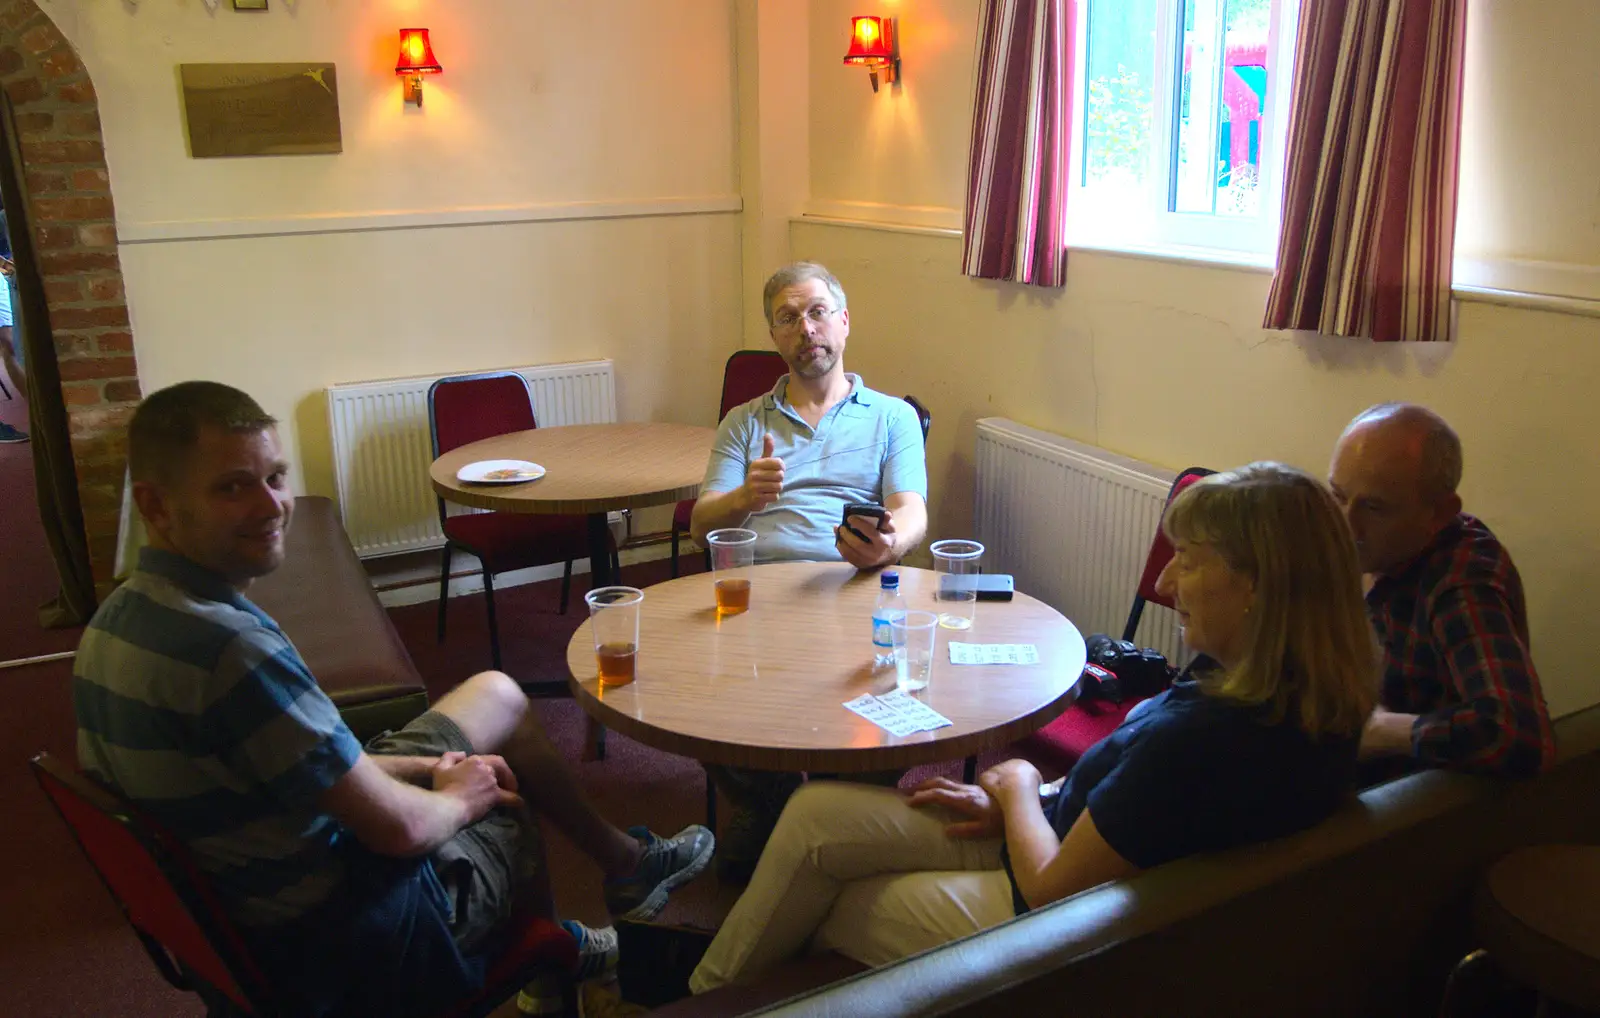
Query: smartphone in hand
[871,509]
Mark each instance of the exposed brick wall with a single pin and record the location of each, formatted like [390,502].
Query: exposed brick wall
[75,238]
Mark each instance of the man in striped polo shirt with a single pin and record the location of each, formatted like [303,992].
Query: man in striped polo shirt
[368,881]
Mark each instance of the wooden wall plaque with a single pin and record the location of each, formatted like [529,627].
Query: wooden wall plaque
[260,109]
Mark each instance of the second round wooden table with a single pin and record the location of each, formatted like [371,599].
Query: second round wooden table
[590,469]
[765,689]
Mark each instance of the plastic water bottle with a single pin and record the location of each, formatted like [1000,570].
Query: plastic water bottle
[890,604]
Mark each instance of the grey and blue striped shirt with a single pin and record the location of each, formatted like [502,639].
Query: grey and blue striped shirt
[195,706]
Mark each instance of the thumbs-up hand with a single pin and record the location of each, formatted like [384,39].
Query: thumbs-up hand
[763,481]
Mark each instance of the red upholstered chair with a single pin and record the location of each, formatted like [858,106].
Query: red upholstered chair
[469,408]
[1069,736]
[748,374]
[173,911]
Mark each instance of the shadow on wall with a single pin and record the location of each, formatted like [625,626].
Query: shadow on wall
[1397,360]
[313,447]
[1008,295]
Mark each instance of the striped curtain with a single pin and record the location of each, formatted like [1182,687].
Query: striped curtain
[1369,198]
[1017,168]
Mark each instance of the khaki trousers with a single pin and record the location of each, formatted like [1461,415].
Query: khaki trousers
[854,869]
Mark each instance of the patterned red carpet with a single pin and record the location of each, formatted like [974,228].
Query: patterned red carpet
[27,575]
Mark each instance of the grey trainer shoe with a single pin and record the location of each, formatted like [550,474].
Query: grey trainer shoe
[668,863]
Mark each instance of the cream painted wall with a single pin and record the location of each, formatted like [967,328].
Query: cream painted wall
[1529,146]
[658,295]
[1166,362]
[543,107]
[904,147]
[774,114]
[540,101]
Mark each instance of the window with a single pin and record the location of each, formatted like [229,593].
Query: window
[1179,115]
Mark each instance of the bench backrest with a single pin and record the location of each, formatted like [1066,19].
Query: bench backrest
[1362,915]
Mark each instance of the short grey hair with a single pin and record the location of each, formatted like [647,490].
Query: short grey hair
[799,272]
[1441,446]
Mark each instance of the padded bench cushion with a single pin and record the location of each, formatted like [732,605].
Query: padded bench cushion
[322,598]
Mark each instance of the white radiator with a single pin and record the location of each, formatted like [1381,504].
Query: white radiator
[1073,523]
[381,449]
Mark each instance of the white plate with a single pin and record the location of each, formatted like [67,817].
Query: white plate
[486,471]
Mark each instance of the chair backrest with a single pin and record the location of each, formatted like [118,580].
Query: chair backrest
[924,416]
[1160,555]
[469,408]
[748,374]
[160,892]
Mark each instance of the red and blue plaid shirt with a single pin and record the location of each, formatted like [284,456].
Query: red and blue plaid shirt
[1454,630]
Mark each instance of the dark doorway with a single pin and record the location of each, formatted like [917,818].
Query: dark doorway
[39,555]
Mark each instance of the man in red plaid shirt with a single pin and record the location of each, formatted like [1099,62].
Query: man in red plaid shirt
[1459,686]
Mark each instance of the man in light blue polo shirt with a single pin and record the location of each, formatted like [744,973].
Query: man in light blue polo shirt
[785,465]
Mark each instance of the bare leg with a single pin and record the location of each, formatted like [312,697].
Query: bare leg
[8,360]
[495,716]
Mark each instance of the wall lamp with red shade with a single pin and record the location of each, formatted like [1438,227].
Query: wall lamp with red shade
[873,46]
[416,59]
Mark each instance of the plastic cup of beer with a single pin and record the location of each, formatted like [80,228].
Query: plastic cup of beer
[912,634]
[956,566]
[733,557]
[614,617]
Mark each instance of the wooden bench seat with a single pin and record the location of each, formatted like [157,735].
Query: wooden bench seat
[322,598]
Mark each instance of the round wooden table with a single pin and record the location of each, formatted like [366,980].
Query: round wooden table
[590,469]
[765,689]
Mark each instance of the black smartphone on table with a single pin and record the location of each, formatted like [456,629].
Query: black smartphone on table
[989,586]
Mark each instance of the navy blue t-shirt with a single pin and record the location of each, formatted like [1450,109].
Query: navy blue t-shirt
[1195,773]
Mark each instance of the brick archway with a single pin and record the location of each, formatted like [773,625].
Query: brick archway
[75,239]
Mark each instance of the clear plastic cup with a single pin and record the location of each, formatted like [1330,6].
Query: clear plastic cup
[733,557]
[912,633]
[614,617]
[957,564]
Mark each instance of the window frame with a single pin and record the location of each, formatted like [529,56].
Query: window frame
[1092,222]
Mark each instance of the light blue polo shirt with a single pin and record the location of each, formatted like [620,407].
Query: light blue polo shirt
[866,448]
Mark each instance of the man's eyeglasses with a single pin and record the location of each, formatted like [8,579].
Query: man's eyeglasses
[787,320]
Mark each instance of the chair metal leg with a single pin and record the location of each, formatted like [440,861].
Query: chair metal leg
[566,586]
[969,770]
[594,740]
[444,588]
[711,802]
[494,629]
[616,564]
[1448,1004]
[3,390]
[674,553]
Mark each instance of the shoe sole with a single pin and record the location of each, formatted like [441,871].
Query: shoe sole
[656,900]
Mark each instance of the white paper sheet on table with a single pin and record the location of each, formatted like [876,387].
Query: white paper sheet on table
[897,713]
[993,653]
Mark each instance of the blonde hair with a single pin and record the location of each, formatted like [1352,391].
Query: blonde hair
[1309,646]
